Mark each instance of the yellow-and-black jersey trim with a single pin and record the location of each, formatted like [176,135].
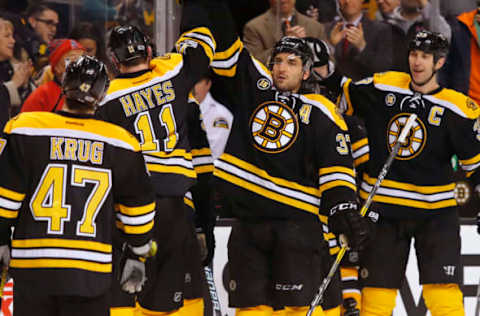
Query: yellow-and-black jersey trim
[52,124]
[258,181]
[471,164]
[202,160]
[179,161]
[457,102]
[200,35]
[61,253]
[135,219]
[336,176]
[225,63]
[407,194]
[327,108]
[345,102]
[10,203]
[360,152]
[188,200]
[329,237]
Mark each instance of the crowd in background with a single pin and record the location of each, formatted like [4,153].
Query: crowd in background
[366,36]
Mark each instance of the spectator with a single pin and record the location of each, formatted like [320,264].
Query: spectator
[358,51]
[11,78]
[47,97]
[42,24]
[461,71]
[324,11]
[408,19]
[261,33]
[385,9]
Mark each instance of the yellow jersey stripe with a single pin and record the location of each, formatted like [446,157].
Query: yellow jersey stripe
[470,161]
[410,203]
[12,195]
[204,169]
[411,187]
[52,124]
[266,193]
[189,203]
[349,171]
[362,159]
[189,173]
[229,52]
[201,152]
[175,153]
[135,230]
[61,263]
[135,210]
[362,142]
[337,183]
[8,214]
[61,243]
[263,174]
[346,92]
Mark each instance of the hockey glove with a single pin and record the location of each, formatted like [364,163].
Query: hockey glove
[321,53]
[346,220]
[133,262]
[206,241]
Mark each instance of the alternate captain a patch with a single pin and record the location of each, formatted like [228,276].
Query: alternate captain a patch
[274,127]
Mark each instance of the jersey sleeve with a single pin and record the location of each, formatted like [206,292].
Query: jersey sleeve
[465,138]
[359,141]
[336,173]
[12,186]
[134,198]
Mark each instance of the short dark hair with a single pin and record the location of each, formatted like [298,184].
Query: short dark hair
[36,9]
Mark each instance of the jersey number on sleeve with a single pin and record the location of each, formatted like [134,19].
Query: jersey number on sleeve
[48,203]
[144,128]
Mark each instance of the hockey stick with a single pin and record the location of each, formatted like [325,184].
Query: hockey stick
[323,287]
[212,289]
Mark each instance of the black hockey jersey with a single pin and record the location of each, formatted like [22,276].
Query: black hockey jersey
[286,156]
[63,175]
[420,180]
[152,104]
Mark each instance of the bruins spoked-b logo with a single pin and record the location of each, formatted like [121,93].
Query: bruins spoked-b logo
[415,140]
[274,127]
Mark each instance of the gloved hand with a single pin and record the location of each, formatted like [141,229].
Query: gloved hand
[133,261]
[320,50]
[346,220]
[350,306]
[206,241]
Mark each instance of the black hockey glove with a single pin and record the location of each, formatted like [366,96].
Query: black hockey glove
[350,305]
[345,219]
[321,53]
[206,241]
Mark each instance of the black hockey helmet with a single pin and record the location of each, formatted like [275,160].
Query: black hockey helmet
[296,46]
[430,43]
[86,81]
[127,43]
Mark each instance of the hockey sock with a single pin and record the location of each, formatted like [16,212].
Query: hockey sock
[350,286]
[443,299]
[192,307]
[302,311]
[260,310]
[378,301]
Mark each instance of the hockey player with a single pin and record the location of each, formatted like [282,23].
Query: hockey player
[63,174]
[286,158]
[150,99]
[416,200]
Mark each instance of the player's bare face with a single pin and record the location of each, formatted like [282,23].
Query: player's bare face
[287,72]
[422,67]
